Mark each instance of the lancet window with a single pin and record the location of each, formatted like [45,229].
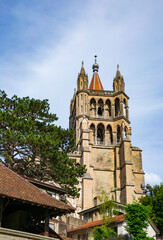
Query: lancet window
[92,107]
[117,107]
[100,134]
[124,107]
[109,135]
[108,108]
[118,134]
[100,107]
[92,133]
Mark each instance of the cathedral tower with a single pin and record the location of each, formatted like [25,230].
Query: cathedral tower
[100,120]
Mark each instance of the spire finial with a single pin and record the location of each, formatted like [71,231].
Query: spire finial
[95,66]
[95,58]
[118,74]
[82,71]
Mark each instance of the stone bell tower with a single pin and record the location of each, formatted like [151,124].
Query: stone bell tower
[100,120]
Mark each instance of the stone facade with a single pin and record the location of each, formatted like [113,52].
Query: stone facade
[100,120]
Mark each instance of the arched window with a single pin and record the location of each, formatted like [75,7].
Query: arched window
[99,111]
[118,134]
[92,107]
[125,132]
[117,107]
[108,108]
[100,107]
[92,133]
[109,135]
[95,201]
[124,107]
[100,134]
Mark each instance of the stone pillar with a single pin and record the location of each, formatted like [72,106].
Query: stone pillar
[114,138]
[77,103]
[127,112]
[87,191]
[128,134]
[121,108]
[113,110]
[104,112]
[122,130]
[88,107]
[127,178]
[95,135]
[105,136]
[96,111]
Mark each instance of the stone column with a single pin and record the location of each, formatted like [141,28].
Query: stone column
[96,111]
[121,108]
[88,107]
[105,136]
[127,112]
[104,112]
[122,130]
[114,138]
[113,110]
[77,103]
[95,135]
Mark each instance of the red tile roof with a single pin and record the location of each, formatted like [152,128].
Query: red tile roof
[116,219]
[14,186]
[96,83]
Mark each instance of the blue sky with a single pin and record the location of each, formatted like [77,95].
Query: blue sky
[42,45]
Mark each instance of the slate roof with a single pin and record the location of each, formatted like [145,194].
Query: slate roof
[14,186]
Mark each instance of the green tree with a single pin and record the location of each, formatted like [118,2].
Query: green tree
[137,221]
[154,199]
[32,145]
[107,209]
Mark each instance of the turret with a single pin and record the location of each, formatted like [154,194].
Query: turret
[82,82]
[118,83]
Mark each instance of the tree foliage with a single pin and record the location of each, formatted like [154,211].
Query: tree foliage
[137,221]
[32,145]
[154,199]
[107,210]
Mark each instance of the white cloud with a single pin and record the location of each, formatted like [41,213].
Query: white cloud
[152,179]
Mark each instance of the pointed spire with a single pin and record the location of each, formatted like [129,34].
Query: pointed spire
[118,82]
[118,74]
[95,83]
[82,71]
[95,66]
[82,81]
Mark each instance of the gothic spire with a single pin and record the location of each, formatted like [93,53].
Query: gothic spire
[95,83]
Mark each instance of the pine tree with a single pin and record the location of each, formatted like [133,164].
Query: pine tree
[32,145]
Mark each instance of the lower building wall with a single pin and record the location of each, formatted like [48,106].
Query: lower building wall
[121,230]
[9,234]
